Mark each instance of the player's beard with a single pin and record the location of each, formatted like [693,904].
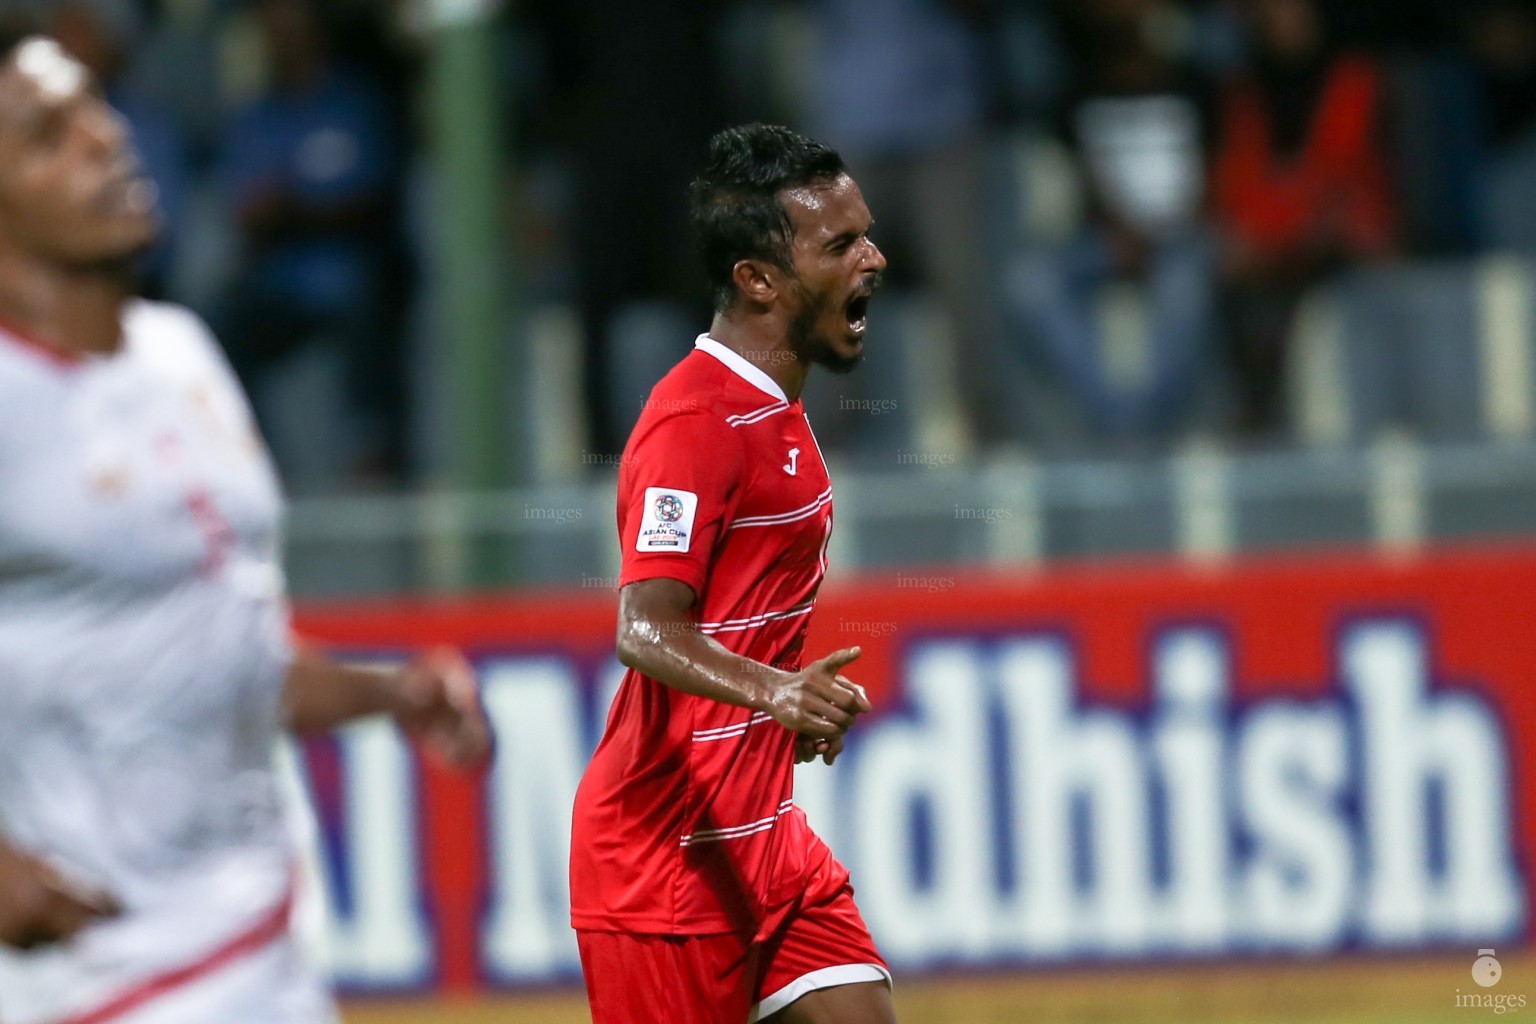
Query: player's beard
[124,269]
[810,347]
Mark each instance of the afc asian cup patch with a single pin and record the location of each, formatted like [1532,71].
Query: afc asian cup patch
[667,522]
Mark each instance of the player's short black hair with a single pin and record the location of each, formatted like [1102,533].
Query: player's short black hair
[734,205]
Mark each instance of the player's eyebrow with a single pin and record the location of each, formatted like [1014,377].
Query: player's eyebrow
[842,241]
[24,110]
[848,237]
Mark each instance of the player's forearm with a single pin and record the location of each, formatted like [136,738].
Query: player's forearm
[322,693]
[677,654]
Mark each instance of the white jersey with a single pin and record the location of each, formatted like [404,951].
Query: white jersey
[144,640]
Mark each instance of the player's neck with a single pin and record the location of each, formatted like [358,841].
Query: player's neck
[78,311]
[764,345]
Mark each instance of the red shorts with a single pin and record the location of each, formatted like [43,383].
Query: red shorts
[819,941]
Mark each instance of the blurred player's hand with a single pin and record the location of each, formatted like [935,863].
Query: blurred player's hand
[39,906]
[819,704]
[440,708]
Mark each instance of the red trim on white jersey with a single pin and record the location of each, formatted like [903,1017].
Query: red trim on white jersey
[268,929]
[63,358]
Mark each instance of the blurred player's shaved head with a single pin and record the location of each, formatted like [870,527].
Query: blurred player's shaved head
[72,191]
[736,204]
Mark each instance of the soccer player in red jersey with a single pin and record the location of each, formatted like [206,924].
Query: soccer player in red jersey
[699,893]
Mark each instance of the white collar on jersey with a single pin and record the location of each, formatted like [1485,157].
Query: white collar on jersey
[741,367]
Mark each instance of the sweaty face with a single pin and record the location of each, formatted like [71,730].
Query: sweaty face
[71,188]
[836,270]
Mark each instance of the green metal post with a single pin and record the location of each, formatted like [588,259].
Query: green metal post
[476,282]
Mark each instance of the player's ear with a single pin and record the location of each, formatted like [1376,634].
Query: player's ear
[756,281]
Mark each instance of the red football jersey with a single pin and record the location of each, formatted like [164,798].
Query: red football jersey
[684,821]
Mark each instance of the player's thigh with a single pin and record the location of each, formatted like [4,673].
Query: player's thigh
[822,961]
[643,979]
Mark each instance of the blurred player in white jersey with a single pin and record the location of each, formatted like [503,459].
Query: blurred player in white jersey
[146,665]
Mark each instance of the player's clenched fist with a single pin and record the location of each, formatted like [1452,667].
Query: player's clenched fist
[808,749]
[39,906]
[439,706]
[816,701]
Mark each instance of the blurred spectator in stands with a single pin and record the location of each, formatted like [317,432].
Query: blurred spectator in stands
[1486,102]
[1301,188]
[1138,123]
[631,95]
[313,167]
[1384,26]
[101,35]
[906,90]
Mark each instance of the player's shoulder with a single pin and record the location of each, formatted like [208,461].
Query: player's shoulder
[167,335]
[154,325]
[716,384]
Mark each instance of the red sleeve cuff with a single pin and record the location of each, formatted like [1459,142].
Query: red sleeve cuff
[684,570]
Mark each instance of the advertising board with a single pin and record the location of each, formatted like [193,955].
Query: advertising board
[1144,762]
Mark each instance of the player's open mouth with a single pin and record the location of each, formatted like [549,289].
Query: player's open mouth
[857,312]
[132,194]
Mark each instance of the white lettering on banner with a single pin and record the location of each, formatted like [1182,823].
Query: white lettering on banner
[1188,749]
[382,938]
[535,708]
[989,815]
[1420,754]
[1291,771]
[1287,872]
[816,795]
[940,767]
[607,692]
[1079,784]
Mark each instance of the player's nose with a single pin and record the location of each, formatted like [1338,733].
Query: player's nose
[874,259]
[108,131]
